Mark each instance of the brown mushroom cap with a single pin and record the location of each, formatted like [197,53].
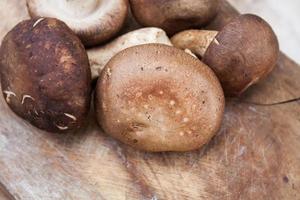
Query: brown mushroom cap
[45,74]
[245,51]
[174,15]
[158,98]
[94,21]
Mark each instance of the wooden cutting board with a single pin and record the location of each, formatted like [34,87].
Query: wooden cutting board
[255,155]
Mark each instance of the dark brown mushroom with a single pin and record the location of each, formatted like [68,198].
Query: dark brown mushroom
[242,53]
[158,98]
[45,74]
[174,15]
[93,21]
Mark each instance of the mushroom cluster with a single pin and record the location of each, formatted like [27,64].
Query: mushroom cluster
[152,93]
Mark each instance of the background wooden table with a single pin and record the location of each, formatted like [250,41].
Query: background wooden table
[284,16]
[4,195]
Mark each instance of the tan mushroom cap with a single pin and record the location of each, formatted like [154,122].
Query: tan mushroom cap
[174,15]
[197,41]
[245,51]
[99,56]
[158,98]
[94,21]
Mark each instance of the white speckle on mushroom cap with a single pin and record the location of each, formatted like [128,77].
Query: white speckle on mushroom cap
[108,72]
[161,92]
[70,116]
[61,127]
[8,95]
[26,96]
[139,94]
[178,112]
[37,22]
[181,133]
[172,102]
[185,119]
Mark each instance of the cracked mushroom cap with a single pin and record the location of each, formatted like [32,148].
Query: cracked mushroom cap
[174,15]
[244,52]
[158,98]
[46,80]
[94,21]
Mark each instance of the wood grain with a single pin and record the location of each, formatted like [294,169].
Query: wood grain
[254,156]
[4,194]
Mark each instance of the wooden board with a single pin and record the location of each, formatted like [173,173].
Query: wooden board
[255,155]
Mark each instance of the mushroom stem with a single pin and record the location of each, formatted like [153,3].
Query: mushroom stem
[195,40]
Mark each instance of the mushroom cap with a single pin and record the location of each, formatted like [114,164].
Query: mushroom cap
[174,15]
[158,98]
[94,21]
[245,51]
[46,80]
[99,56]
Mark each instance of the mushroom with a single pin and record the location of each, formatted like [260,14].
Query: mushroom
[99,56]
[45,74]
[94,21]
[174,15]
[156,97]
[242,53]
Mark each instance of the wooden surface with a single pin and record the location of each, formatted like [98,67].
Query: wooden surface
[284,18]
[4,195]
[254,156]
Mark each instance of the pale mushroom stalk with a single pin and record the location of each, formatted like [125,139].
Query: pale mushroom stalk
[197,41]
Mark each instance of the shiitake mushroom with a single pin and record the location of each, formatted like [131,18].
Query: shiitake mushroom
[241,54]
[45,74]
[93,21]
[174,15]
[156,97]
